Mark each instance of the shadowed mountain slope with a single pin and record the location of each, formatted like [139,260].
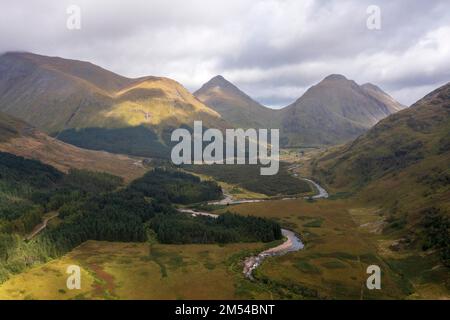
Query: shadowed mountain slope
[334,111]
[21,139]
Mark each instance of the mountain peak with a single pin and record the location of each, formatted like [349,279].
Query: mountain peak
[219,77]
[219,81]
[233,104]
[335,77]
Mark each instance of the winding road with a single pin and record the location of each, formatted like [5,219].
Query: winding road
[37,229]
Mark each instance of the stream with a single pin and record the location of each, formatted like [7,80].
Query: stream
[321,194]
[292,243]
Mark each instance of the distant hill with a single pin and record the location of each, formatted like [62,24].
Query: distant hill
[234,105]
[81,103]
[334,111]
[402,164]
[21,139]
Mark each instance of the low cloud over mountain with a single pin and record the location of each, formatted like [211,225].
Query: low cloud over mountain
[273,50]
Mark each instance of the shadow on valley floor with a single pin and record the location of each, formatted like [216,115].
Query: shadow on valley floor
[137,141]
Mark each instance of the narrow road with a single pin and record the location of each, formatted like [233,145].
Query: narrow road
[41,226]
[229,200]
[198,213]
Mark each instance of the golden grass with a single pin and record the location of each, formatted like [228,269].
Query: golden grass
[338,251]
[64,156]
[134,271]
[47,282]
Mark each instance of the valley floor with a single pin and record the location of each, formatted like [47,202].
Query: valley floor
[341,240]
[135,271]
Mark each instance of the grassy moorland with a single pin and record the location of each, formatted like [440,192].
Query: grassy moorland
[342,238]
[402,167]
[98,206]
[138,271]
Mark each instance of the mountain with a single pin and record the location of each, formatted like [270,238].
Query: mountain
[91,107]
[402,163]
[234,105]
[21,139]
[334,111]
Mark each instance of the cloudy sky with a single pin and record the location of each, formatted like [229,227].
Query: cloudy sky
[272,49]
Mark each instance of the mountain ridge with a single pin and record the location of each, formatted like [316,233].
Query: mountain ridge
[333,111]
[92,107]
[75,100]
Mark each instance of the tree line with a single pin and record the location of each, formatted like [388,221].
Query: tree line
[97,206]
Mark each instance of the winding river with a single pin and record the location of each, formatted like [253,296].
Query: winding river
[228,200]
[321,192]
[292,243]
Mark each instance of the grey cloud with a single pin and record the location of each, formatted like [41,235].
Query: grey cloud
[272,49]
